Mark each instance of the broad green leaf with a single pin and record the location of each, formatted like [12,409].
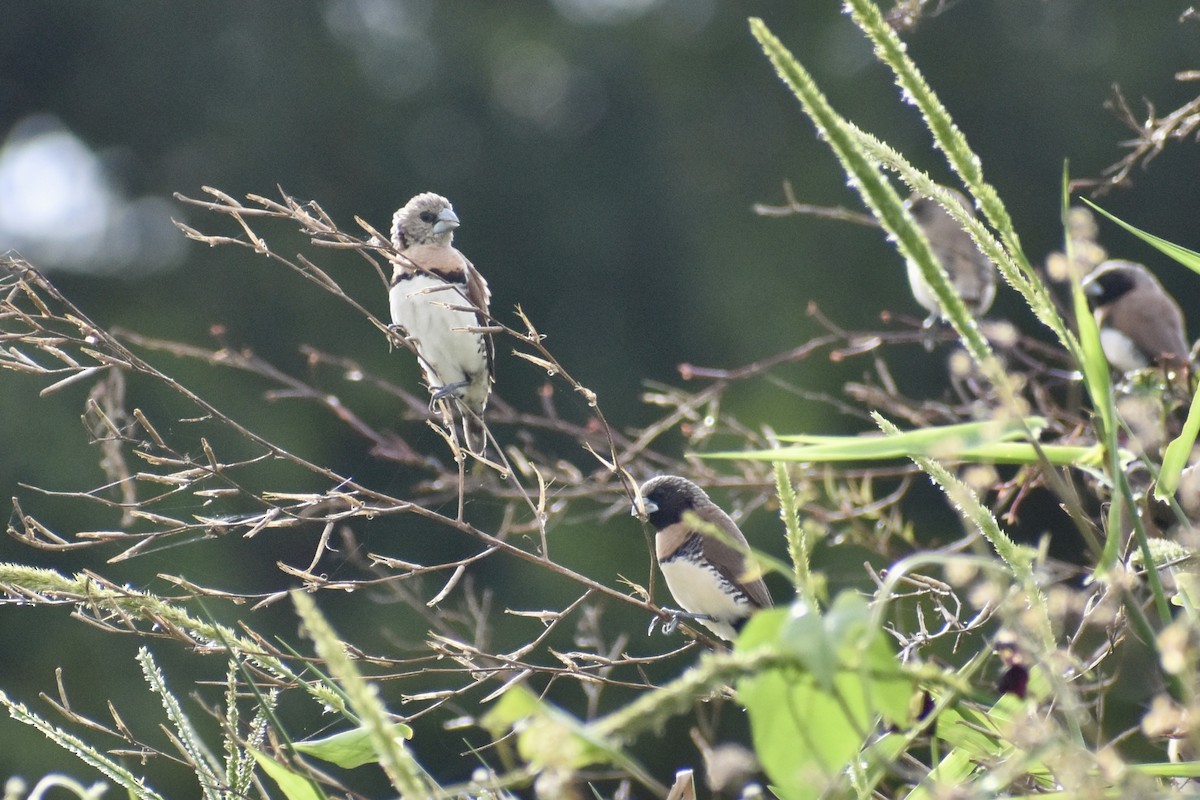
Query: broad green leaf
[803,734]
[891,688]
[804,634]
[810,719]
[763,628]
[350,748]
[556,740]
[971,730]
[974,740]
[546,735]
[979,738]
[293,785]
[517,703]
[862,648]
[848,620]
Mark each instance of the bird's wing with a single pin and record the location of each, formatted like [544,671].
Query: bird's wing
[1156,328]
[729,561]
[480,296]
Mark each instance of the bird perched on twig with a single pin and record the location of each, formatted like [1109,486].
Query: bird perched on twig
[711,579]
[971,272]
[1140,324]
[439,300]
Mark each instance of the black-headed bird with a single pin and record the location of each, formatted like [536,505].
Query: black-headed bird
[1140,324]
[710,579]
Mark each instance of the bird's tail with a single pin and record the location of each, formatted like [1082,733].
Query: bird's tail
[474,430]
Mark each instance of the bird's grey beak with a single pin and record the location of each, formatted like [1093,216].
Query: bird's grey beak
[1091,288]
[447,221]
[647,506]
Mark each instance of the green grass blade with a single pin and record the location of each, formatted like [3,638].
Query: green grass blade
[991,441]
[1188,258]
[1176,456]
[867,179]
[402,769]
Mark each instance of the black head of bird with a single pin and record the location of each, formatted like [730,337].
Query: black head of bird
[1140,324]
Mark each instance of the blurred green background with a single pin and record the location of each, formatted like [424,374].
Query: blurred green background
[604,157]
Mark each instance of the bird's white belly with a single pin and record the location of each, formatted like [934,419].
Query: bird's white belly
[452,354]
[922,292]
[698,590]
[1121,352]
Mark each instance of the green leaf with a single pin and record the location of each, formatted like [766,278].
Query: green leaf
[1095,366]
[1183,769]
[1188,258]
[1175,457]
[999,453]
[804,634]
[514,705]
[991,441]
[809,719]
[763,628]
[803,735]
[862,646]
[546,735]
[350,748]
[401,767]
[967,433]
[293,785]
[974,741]
[891,687]
[971,731]
[980,738]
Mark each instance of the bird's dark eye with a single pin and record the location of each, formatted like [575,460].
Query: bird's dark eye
[428,216]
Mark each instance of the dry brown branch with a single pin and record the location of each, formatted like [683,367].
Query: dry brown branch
[1151,134]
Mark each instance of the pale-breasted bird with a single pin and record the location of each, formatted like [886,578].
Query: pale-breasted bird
[971,272]
[436,296]
[1140,324]
[710,579]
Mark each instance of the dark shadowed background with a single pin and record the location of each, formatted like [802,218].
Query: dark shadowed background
[604,157]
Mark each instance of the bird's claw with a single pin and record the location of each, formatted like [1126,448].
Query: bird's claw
[671,623]
[668,625]
[397,330]
[449,390]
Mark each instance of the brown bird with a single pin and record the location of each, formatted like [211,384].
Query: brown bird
[436,296]
[1140,324]
[708,577]
[971,272]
